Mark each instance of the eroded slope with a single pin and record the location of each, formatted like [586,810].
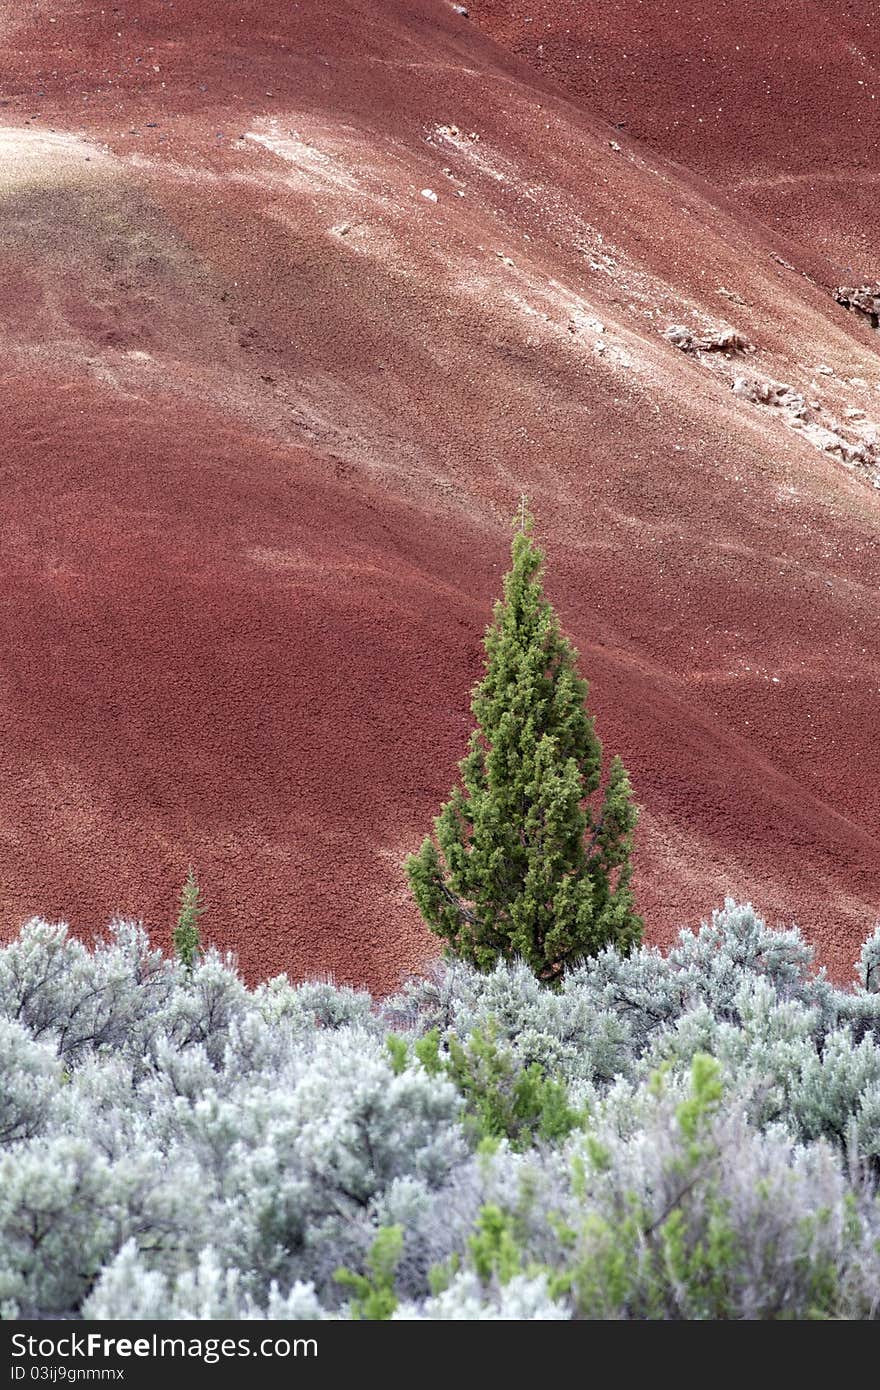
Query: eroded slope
[297,300]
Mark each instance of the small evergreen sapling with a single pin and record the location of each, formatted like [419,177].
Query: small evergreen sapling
[530,860]
[868,967]
[186,938]
[374,1299]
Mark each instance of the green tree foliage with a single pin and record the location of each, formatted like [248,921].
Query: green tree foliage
[531,858]
[373,1297]
[506,1101]
[503,1098]
[186,938]
[493,1247]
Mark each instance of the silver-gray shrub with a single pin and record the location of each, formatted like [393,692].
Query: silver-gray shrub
[175,1145]
[29,1078]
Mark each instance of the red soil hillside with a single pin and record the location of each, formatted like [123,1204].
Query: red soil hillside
[267,409]
[776,101]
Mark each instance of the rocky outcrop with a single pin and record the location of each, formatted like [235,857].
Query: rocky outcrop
[864,300]
[773,393]
[725,340]
[835,439]
[856,443]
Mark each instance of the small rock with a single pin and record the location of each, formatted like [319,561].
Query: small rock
[724,340]
[429,194]
[824,370]
[614,145]
[771,393]
[853,412]
[582,322]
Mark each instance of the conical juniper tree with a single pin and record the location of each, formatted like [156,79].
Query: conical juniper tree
[186,937]
[532,858]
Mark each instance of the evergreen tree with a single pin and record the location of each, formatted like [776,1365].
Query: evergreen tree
[186,938]
[530,859]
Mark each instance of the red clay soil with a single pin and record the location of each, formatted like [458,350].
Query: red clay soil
[294,301]
[777,102]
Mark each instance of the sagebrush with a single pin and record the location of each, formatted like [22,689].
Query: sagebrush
[691,1136]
